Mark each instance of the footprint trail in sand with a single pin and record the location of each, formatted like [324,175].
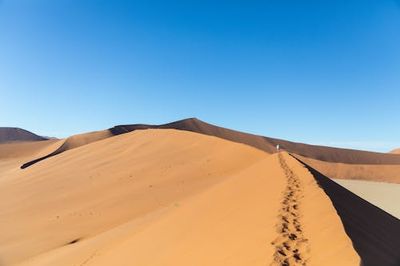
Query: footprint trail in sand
[291,247]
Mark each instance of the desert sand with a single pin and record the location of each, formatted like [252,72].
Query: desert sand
[172,197]
[14,154]
[69,144]
[188,193]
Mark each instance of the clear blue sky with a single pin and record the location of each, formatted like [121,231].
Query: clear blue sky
[325,72]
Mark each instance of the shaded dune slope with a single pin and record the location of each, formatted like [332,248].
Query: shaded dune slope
[263,143]
[8,134]
[375,233]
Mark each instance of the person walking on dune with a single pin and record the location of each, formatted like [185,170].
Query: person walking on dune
[277,147]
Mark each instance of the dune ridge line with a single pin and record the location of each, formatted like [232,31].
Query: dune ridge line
[291,246]
[266,144]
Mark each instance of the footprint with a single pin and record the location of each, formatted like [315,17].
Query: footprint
[291,248]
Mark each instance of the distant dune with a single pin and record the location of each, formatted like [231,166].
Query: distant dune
[389,173]
[353,163]
[395,151]
[263,143]
[8,134]
[383,195]
[268,144]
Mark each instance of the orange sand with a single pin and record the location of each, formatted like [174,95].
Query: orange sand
[166,197]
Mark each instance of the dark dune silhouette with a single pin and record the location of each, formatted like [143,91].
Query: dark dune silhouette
[8,134]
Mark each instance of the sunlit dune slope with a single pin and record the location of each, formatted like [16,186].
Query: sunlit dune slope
[23,149]
[70,143]
[191,124]
[234,223]
[167,197]
[266,144]
[13,154]
[87,190]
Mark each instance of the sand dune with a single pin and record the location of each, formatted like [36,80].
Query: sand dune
[8,134]
[191,124]
[23,149]
[189,193]
[368,172]
[266,144]
[231,224]
[134,173]
[13,154]
[71,143]
[167,197]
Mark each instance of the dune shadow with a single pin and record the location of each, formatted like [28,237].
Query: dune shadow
[375,233]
